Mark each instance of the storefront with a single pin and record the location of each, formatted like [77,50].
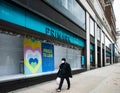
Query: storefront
[30,54]
[92,58]
[98,57]
[31,48]
[108,58]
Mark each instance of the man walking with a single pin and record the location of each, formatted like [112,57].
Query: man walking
[64,73]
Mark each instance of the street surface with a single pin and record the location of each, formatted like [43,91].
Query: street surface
[101,80]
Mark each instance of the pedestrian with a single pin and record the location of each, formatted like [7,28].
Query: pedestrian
[64,72]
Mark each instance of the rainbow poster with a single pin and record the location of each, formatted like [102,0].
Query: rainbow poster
[32,56]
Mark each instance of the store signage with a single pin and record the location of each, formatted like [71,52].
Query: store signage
[27,19]
[56,34]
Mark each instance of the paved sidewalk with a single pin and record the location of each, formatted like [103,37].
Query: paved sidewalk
[101,80]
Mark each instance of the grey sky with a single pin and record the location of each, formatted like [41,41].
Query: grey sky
[116,7]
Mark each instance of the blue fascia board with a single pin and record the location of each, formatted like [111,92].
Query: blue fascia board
[26,19]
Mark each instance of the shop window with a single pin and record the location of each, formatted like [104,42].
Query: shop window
[92,26]
[107,42]
[108,56]
[98,33]
[25,55]
[72,56]
[102,37]
[11,54]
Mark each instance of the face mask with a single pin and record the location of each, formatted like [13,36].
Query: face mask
[62,61]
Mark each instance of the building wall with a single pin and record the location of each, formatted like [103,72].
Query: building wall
[99,16]
[29,20]
[52,15]
[95,17]
[50,25]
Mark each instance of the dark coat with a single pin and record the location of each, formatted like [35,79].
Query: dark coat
[64,70]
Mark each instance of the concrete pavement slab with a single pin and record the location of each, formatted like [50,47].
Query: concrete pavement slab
[101,80]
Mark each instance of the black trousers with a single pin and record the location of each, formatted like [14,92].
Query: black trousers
[62,80]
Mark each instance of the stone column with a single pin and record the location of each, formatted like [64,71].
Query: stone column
[101,49]
[87,41]
[111,53]
[104,50]
[96,58]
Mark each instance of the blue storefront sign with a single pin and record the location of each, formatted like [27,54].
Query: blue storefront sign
[47,57]
[26,19]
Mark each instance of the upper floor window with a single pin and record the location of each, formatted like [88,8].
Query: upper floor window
[102,37]
[98,33]
[71,9]
[107,42]
[92,27]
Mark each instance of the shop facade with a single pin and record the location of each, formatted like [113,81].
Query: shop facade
[36,35]
[33,47]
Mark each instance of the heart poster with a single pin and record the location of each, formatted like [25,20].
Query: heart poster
[32,56]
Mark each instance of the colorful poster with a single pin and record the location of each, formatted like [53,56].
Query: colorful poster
[47,57]
[32,56]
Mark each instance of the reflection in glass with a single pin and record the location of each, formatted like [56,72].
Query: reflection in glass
[92,27]
[71,9]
